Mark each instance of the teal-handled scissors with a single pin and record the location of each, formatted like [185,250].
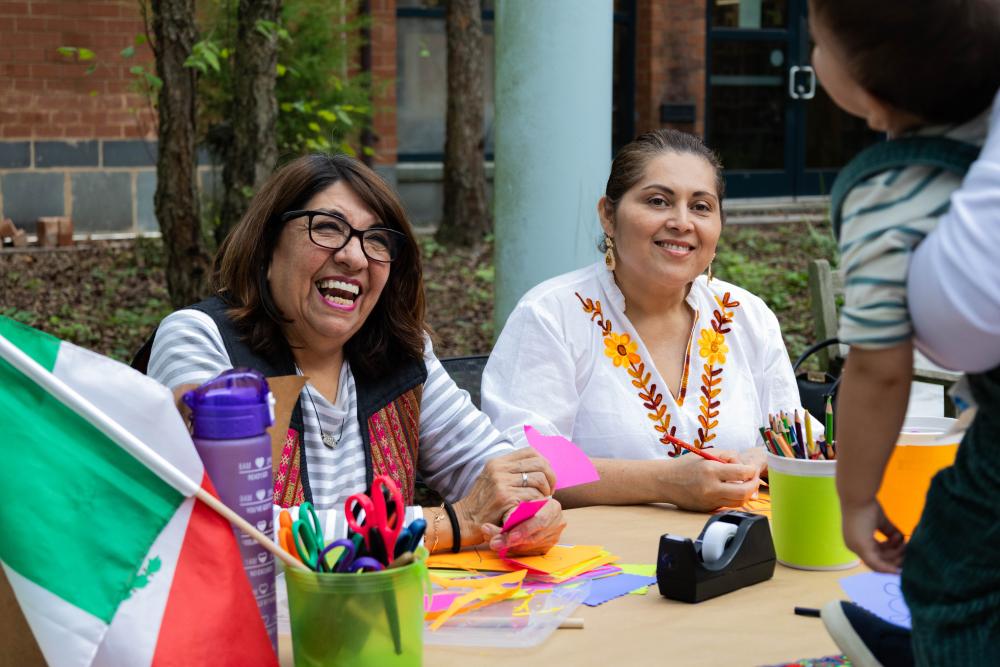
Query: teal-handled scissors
[307,533]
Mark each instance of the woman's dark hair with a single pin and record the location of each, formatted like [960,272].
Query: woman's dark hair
[936,59]
[630,163]
[394,330]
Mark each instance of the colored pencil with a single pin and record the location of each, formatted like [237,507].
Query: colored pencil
[829,420]
[798,434]
[691,448]
[786,448]
[809,433]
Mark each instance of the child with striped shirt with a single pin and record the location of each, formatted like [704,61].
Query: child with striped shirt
[910,69]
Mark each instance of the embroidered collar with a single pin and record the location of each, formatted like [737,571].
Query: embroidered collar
[712,349]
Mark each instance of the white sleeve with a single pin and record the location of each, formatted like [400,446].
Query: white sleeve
[954,279]
[456,439]
[530,378]
[777,389]
[188,349]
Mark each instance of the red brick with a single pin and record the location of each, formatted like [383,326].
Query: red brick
[14,8]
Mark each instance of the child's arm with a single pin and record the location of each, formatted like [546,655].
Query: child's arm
[871,406]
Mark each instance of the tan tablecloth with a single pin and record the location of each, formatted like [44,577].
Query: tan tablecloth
[752,626]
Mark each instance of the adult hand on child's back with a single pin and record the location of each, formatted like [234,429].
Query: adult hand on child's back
[860,523]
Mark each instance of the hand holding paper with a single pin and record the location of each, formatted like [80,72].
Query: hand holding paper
[570,464]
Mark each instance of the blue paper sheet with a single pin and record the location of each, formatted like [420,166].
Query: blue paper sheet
[609,588]
[880,594]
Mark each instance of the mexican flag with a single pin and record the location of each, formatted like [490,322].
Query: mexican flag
[112,563]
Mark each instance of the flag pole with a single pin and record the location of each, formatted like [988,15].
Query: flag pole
[167,471]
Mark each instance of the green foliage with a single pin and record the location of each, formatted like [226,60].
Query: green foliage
[771,261]
[321,101]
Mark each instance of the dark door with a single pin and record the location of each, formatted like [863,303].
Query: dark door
[776,130]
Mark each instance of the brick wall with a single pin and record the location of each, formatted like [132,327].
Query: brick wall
[45,95]
[670,62]
[383,49]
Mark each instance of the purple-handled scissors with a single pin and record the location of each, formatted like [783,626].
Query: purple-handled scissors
[344,560]
[365,564]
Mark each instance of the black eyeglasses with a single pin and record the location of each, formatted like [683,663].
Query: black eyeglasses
[333,232]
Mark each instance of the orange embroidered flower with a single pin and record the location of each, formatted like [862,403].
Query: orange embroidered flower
[712,347]
[621,349]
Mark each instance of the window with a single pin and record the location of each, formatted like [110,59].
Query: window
[422,78]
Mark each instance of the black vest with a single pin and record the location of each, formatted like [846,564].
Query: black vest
[374,393]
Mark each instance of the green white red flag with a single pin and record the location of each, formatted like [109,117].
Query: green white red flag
[111,562]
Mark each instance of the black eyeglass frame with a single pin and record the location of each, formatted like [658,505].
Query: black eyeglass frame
[395,249]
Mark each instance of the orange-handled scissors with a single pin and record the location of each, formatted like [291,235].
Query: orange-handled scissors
[379,528]
[286,538]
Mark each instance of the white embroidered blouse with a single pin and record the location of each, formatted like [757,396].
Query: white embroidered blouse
[569,362]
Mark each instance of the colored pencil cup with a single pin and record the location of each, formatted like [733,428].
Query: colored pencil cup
[805,515]
[362,619]
[920,453]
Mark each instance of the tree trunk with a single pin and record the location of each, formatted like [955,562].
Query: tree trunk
[466,215]
[176,198]
[254,150]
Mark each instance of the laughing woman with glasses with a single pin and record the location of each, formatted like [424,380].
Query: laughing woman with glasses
[322,278]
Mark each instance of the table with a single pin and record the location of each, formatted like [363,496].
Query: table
[751,626]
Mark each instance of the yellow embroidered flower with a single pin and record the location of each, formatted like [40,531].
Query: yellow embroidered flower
[712,347]
[621,349]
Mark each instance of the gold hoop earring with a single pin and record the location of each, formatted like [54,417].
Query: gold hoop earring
[709,272]
[609,254]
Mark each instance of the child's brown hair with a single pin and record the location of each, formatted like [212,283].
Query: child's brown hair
[937,59]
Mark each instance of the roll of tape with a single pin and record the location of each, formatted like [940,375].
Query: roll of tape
[715,540]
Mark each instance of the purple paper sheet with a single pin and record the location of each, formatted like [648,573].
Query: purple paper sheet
[569,463]
[609,588]
[880,594]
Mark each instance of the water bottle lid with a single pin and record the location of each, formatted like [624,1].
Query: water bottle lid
[235,404]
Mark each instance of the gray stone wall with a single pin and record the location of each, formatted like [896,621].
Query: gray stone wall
[104,186]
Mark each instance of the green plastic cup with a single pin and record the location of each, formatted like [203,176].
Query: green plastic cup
[361,619]
[805,515]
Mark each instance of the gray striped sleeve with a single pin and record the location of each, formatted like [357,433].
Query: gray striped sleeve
[456,439]
[883,222]
[188,349]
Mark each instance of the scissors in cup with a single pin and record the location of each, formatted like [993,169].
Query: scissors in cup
[307,534]
[378,528]
[285,538]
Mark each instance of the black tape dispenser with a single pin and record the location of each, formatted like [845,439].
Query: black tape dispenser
[733,550]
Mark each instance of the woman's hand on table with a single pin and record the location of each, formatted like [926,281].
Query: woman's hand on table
[505,482]
[755,456]
[533,537]
[860,523]
[702,485]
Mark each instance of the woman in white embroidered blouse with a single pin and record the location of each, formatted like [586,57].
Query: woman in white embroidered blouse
[616,354]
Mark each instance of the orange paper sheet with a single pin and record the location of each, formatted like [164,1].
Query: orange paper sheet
[557,559]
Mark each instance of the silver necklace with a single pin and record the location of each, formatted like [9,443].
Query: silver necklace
[329,441]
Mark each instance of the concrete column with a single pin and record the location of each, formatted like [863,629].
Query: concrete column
[552,139]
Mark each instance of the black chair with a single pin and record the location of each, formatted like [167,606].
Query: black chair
[467,372]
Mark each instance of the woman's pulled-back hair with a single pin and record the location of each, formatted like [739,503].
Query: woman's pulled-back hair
[936,59]
[630,162]
[394,330]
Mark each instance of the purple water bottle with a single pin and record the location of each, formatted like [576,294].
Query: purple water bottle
[231,414]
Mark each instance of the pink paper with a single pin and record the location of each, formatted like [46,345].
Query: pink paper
[570,464]
[441,601]
[522,513]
